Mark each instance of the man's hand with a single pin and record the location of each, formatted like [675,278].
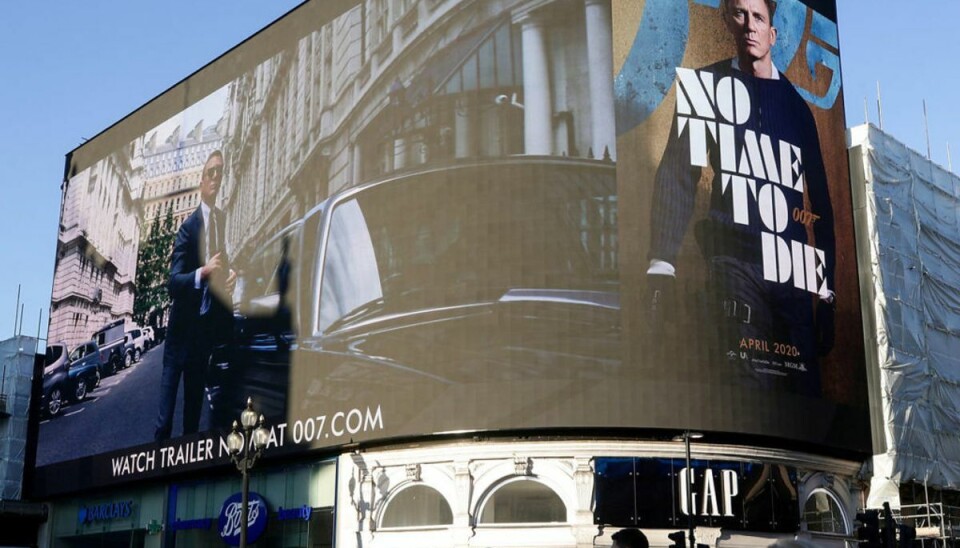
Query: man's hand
[825,325]
[212,267]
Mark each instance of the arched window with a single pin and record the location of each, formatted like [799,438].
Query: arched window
[524,501]
[417,506]
[823,514]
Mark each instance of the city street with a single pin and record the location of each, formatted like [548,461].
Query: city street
[119,413]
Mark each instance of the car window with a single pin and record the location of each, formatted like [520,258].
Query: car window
[260,283]
[350,272]
[53,353]
[459,243]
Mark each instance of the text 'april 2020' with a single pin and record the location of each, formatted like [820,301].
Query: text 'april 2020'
[321,428]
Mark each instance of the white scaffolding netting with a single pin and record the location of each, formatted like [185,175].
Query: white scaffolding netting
[16,359]
[913,213]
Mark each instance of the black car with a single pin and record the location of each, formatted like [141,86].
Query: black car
[430,288]
[85,366]
[69,377]
[115,351]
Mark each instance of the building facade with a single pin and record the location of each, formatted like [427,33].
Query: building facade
[392,86]
[907,228]
[386,92]
[97,244]
[171,172]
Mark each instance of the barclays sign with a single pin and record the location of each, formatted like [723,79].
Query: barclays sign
[104,512]
[231,513]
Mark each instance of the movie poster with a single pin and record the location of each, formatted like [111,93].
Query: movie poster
[736,231]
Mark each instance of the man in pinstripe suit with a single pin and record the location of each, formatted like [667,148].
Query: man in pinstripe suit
[763,272]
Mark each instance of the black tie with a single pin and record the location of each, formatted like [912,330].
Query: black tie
[213,247]
[214,233]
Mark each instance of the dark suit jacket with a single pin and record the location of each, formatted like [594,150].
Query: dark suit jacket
[186,325]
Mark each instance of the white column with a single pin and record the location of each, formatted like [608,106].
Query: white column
[583,527]
[399,154]
[600,65]
[538,110]
[357,173]
[464,146]
[460,507]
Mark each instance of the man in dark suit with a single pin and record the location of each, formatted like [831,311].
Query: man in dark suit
[200,317]
[762,311]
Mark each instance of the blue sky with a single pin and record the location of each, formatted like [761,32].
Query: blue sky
[71,69]
[911,49]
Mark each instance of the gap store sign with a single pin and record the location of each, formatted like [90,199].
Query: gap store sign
[661,493]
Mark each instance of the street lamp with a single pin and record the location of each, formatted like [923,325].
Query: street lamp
[686,437]
[245,454]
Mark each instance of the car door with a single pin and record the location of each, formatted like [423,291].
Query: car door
[87,362]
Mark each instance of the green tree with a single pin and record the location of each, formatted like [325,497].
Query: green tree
[153,265]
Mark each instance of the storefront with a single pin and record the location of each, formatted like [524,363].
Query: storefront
[293,504]
[578,493]
[118,519]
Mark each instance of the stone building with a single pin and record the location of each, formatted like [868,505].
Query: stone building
[171,172]
[394,85]
[97,248]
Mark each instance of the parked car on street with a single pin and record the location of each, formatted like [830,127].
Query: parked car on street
[113,347]
[69,377]
[85,365]
[55,386]
[128,352]
[139,341]
[149,339]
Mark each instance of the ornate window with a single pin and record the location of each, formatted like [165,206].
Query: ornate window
[823,513]
[417,506]
[523,501]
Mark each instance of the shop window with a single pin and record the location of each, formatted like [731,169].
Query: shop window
[524,501]
[417,506]
[316,532]
[823,514]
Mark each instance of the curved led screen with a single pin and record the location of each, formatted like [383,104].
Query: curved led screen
[387,220]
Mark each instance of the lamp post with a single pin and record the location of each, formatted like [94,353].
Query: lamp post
[245,454]
[686,437]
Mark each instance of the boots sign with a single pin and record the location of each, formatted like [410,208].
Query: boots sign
[663,493]
[231,516]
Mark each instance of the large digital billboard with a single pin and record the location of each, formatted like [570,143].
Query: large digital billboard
[387,220]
